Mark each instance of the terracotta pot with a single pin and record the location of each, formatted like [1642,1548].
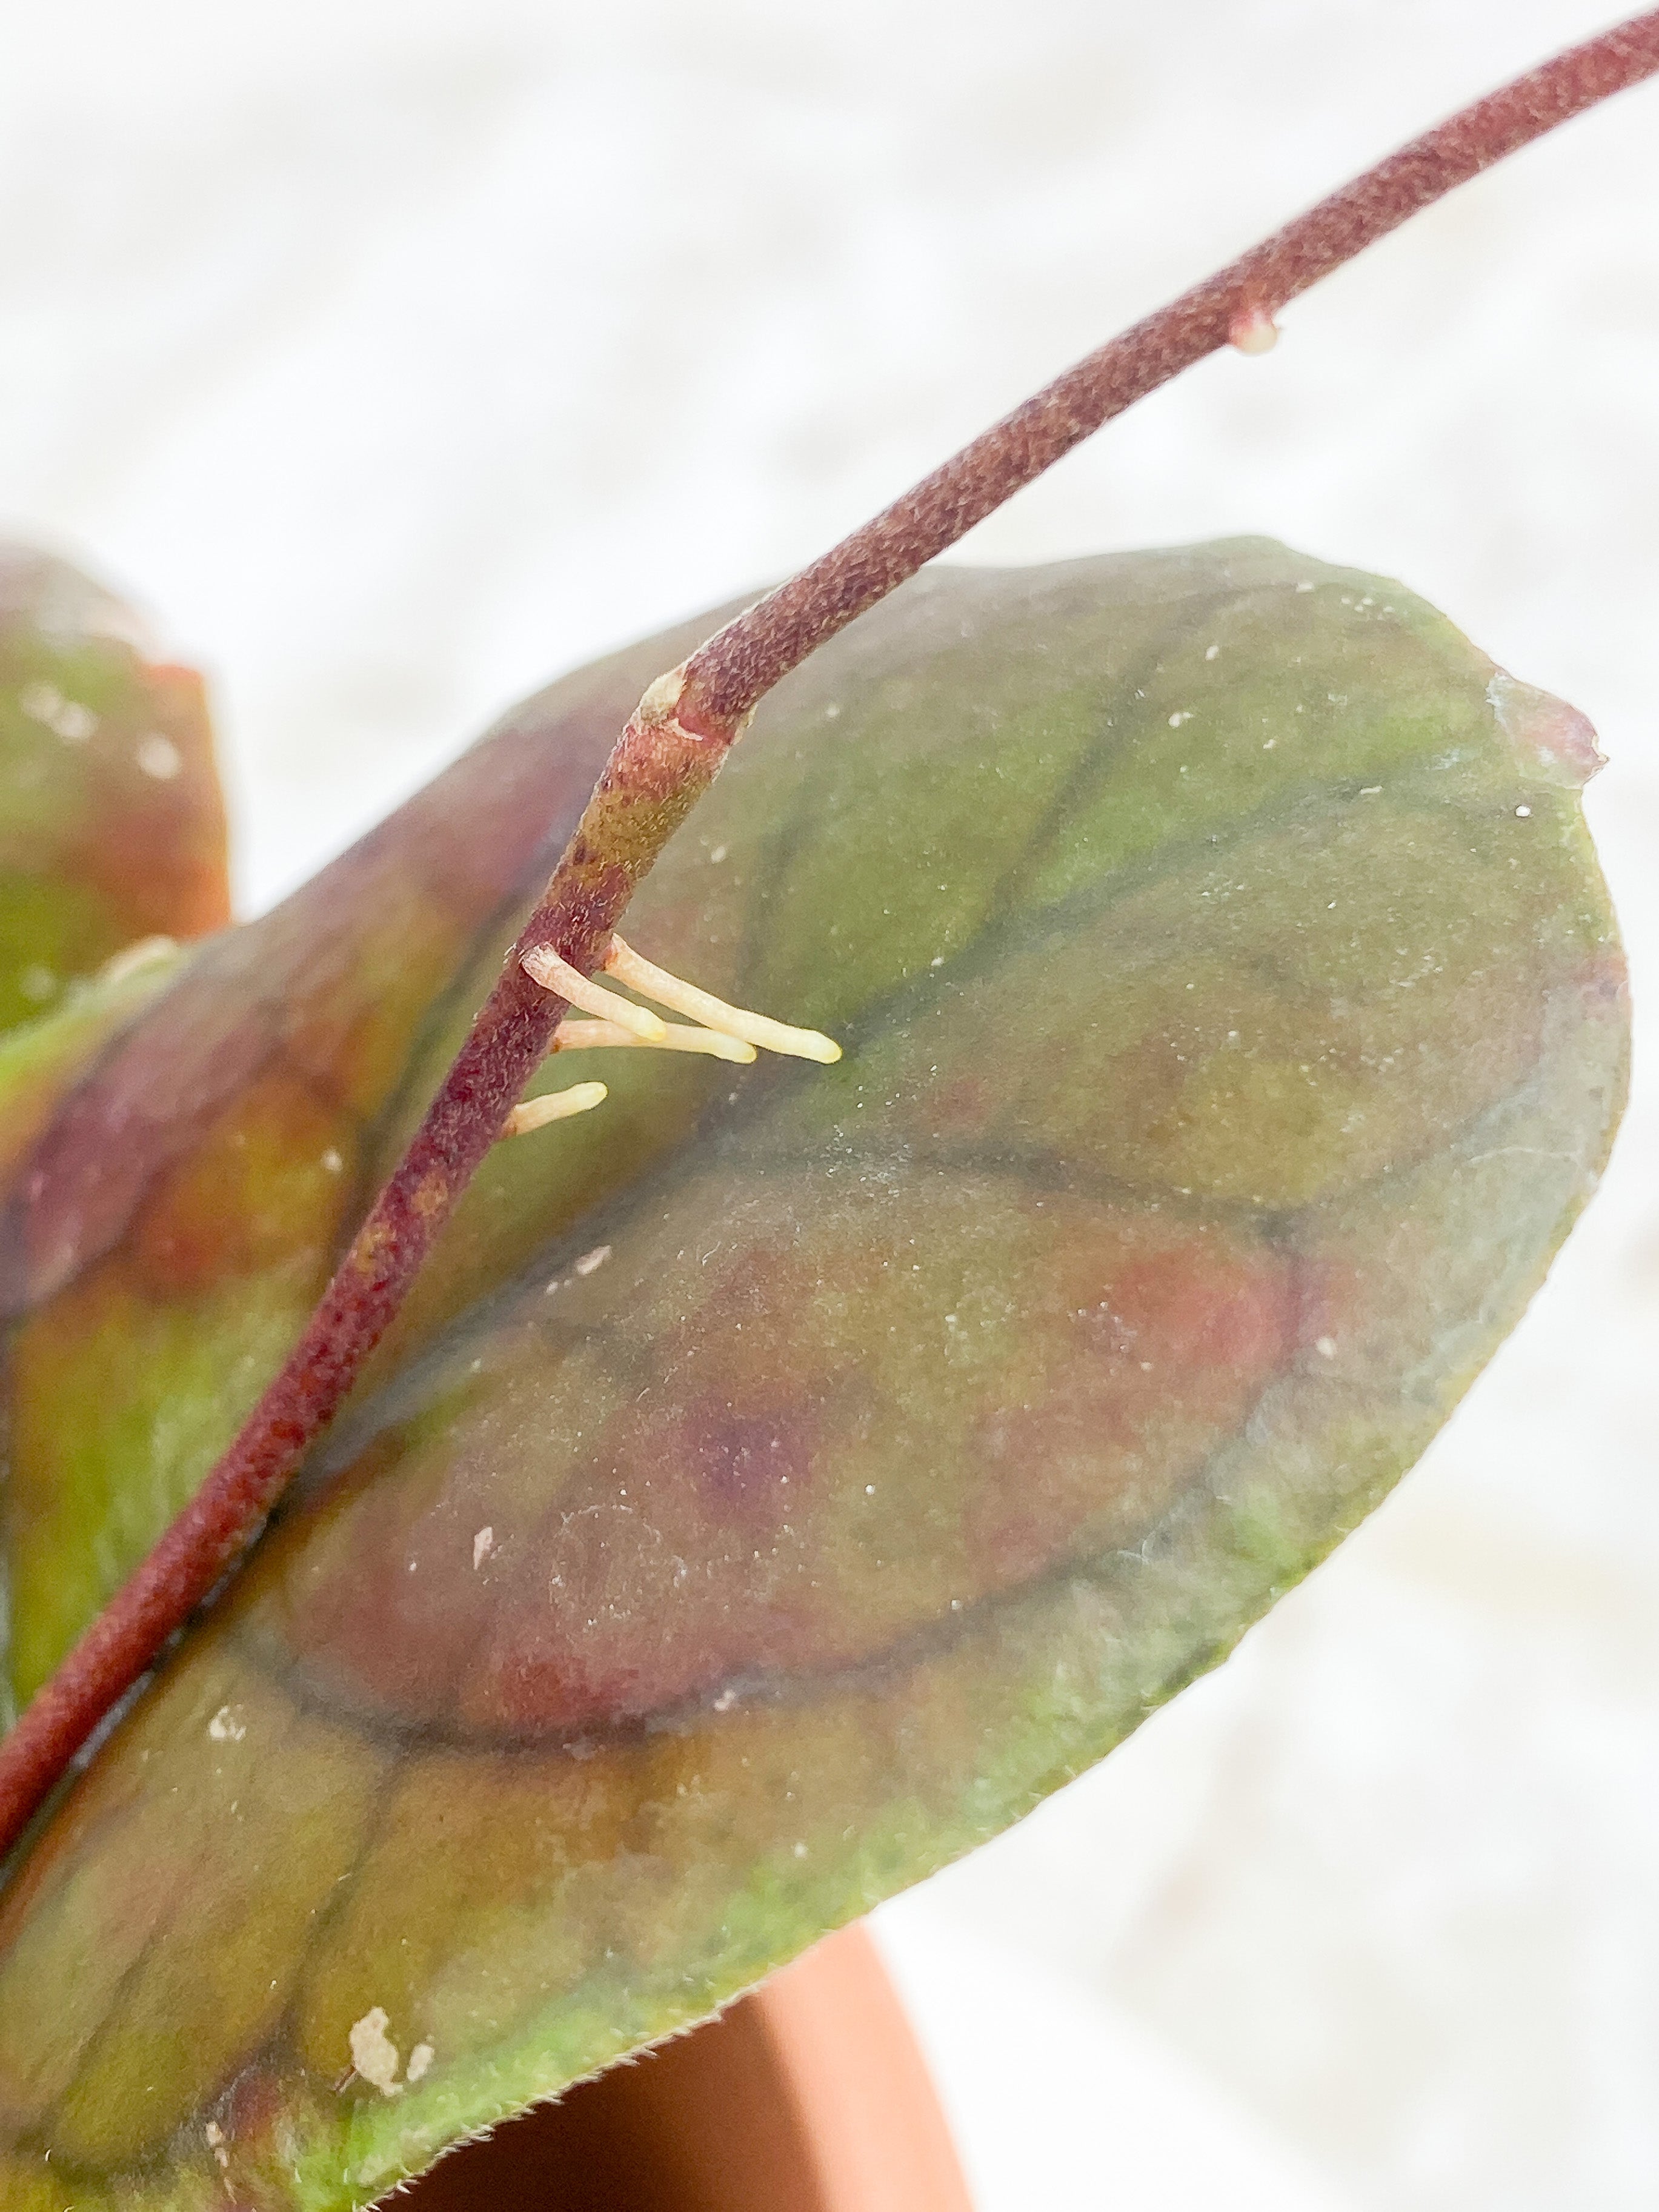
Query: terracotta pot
[808,2095]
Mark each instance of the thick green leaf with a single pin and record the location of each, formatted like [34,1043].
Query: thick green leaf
[819,1466]
[112,827]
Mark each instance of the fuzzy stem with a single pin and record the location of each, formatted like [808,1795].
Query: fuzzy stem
[726,676]
[667,756]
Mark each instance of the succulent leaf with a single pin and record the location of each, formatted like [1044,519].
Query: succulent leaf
[786,1476]
[171,1226]
[111,825]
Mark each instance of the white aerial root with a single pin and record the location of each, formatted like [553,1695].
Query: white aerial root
[724,1032]
[654,982]
[552,1106]
[543,966]
[573,1036]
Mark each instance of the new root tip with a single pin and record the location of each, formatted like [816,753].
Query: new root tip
[577,1037]
[553,1106]
[644,975]
[1254,331]
[543,966]
[142,952]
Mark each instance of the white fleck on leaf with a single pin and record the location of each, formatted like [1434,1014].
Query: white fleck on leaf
[419,2059]
[374,2054]
[596,1258]
[482,1544]
[159,756]
[67,718]
[41,703]
[228,1725]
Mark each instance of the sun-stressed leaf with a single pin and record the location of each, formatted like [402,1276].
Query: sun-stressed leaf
[112,827]
[813,1467]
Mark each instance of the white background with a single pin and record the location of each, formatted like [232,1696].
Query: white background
[401,355]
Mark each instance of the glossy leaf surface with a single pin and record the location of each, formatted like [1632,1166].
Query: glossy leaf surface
[791,1474]
[112,826]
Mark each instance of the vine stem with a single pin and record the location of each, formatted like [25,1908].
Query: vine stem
[667,756]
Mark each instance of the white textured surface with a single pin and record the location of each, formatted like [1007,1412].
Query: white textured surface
[401,355]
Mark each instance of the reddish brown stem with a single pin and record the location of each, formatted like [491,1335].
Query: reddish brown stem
[727,675]
[667,756]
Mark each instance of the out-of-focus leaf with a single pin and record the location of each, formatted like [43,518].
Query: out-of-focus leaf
[1235,1023]
[112,827]
[170,1224]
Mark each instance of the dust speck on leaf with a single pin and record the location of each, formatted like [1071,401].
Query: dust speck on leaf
[228,1725]
[482,1544]
[159,756]
[374,2054]
[67,718]
[596,1258]
[41,702]
[419,2059]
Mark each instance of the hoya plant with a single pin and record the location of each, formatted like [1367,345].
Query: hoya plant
[1075,1071]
